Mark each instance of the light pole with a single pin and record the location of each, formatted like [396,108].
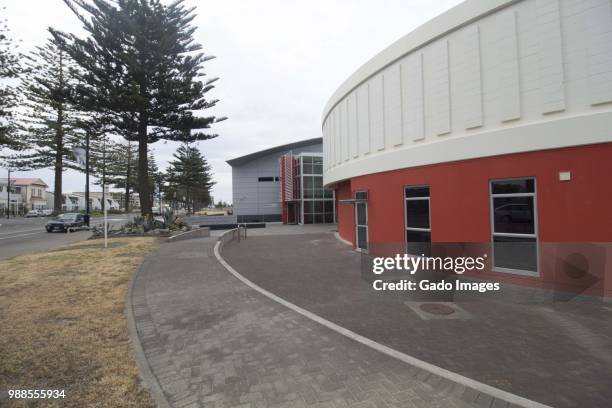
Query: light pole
[159,179]
[8,194]
[87,209]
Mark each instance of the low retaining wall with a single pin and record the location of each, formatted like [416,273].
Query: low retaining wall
[195,233]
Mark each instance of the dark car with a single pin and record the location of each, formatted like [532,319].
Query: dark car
[66,223]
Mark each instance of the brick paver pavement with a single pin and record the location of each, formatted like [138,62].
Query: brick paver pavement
[213,342]
[516,339]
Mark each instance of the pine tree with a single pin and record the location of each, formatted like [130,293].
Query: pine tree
[122,169]
[10,69]
[189,176]
[49,123]
[141,63]
[101,148]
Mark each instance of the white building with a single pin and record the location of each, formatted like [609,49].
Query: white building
[26,194]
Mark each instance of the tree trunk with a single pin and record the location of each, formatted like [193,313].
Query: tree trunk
[59,142]
[59,146]
[144,189]
[127,197]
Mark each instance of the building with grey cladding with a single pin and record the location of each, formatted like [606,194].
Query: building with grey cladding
[256,181]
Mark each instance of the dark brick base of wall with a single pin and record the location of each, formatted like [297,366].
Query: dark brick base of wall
[259,218]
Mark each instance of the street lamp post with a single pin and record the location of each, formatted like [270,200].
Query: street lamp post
[8,195]
[87,209]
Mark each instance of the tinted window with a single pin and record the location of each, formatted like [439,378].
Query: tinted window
[361,195]
[515,253]
[418,242]
[329,206]
[422,191]
[265,179]
[513,186]
[417,213]
[361,214]
[513,215]
[362,238]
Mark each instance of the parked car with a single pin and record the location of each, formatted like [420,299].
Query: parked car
[47,212]
[68,222]
[33,213]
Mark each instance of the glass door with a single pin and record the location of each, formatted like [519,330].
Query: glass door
[418,222]
[361,224]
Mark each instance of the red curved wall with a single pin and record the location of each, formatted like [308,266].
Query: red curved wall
[573,211]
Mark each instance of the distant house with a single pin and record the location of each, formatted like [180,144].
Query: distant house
[95,201]
[26,194]
[72,202]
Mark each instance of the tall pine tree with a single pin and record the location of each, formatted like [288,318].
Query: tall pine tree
[49,123]
[189,178]
[122,169]
[10,69]
[140,62]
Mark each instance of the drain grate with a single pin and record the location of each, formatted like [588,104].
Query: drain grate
[437,309]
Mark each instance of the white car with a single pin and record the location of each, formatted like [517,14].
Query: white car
[33,213]
[47,212]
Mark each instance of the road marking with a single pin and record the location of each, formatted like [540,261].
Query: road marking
[439,371]
[23,235]
[18,232]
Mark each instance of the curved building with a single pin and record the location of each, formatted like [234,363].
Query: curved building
[487,129]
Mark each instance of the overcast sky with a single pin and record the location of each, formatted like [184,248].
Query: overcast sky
[278,60]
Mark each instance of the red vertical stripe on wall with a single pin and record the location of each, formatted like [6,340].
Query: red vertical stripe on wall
[282,184]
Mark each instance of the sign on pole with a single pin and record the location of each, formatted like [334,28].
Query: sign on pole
[79,155]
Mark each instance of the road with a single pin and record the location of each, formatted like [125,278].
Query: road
[20,236]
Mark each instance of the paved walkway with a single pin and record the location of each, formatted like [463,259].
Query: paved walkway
[210,341]
[558,354]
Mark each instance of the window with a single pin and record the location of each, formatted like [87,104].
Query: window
[264,179]
[514,225]
[317,201]
[361,195]
[418,224]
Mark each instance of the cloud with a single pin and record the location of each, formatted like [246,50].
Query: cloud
[278,60]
